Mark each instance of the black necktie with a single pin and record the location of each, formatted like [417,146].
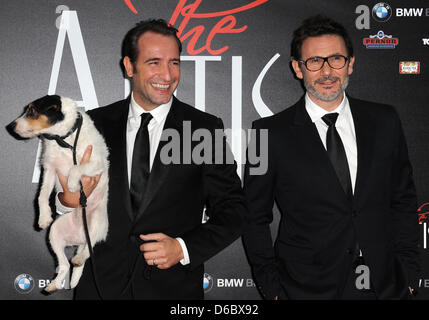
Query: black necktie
[140,165]
[337,154]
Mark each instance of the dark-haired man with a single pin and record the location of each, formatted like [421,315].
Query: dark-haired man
[157,243]
[340,175]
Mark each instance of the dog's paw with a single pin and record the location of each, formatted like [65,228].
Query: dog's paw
[77,273]
[78,260]
[74,281]
[73,183]
[52,287]
[73,186]
[45,221]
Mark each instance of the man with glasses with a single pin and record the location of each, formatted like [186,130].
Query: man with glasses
[340,175]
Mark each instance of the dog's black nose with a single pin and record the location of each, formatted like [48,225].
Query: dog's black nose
[11,127]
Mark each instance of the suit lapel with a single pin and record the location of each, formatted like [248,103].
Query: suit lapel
[309,137]
[159,172]
[117,142]
[365,130]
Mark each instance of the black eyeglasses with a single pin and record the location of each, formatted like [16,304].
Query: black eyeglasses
[336,61]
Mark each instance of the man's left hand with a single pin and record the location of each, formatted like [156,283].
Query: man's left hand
[164,251]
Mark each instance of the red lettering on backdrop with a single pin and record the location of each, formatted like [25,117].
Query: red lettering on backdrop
[422,215]
[224,25]
[130,5]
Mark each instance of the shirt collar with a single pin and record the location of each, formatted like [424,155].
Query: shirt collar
[316,112]
[159,113]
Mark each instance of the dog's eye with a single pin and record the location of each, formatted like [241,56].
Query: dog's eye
[31,113]
[53,107]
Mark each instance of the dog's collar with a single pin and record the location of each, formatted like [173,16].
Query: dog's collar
[60,139]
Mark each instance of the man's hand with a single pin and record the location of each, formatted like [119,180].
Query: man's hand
[71,199]
[164,252]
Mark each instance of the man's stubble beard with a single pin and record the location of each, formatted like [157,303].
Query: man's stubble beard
[313,91]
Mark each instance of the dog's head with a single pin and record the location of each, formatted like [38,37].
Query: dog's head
[40,116]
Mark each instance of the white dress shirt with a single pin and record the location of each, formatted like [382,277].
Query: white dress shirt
[155,127]
[345,127]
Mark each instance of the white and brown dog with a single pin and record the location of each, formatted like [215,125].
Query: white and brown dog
[53,117]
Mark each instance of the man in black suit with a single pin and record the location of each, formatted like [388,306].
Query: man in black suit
[157,243]
[339,172]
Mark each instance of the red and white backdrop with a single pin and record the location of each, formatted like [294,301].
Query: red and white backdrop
[235,64]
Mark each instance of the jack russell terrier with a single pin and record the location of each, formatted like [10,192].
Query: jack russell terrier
[66,133]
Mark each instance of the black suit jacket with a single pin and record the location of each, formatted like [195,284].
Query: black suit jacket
[319,226]
[173,204]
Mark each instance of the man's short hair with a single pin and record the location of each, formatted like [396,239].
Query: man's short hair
[315,26]
[129,44]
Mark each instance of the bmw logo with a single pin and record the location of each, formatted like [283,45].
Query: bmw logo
[207,282]
[382,12]
[24,283]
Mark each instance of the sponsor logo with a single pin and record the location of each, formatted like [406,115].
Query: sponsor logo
[380,41]
[24,283]
[382,12]
[424,283]
[207,282]
[235,283]
[411,12]
[409,67]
